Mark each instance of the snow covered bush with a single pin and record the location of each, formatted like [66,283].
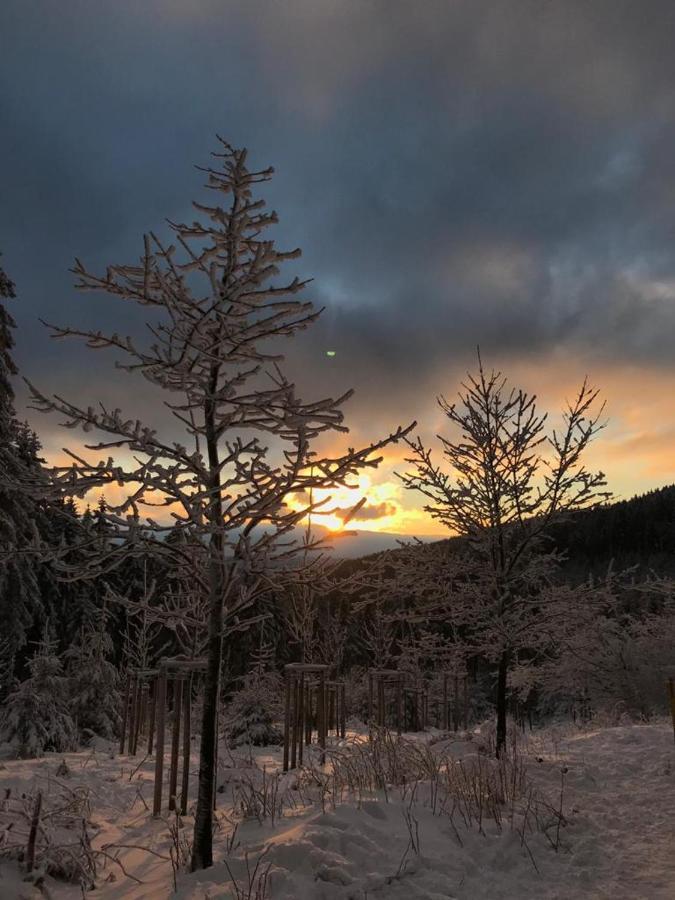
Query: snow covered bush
[619,666]
[36,717]
[255,710]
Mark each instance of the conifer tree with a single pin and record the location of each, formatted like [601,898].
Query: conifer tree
[7,366]
[67,603]
[19,514]
[93,681]
[506,484]
[35,715]
[216,354]
[256,706]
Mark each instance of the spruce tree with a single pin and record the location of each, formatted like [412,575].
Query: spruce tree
[220,319]
[35,716]
[7,366]
[506,484]
[19,515]
[93,680]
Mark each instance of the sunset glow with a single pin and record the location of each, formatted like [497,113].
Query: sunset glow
[537,224]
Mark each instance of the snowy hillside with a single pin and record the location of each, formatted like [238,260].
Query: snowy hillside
[582,814]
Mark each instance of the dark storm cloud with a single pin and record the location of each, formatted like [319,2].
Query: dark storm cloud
[457,173]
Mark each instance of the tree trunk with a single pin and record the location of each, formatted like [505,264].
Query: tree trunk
[501,701]
[202,849]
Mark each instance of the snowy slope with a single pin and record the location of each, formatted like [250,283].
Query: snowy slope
[615,839]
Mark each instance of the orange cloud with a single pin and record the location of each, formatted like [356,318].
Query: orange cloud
[636,450]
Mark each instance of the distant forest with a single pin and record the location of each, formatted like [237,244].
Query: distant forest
[638,532]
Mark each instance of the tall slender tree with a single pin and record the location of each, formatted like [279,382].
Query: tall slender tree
[7,366]
[19,514]
[215,352]
[509,482]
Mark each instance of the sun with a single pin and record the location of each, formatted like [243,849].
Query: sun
[331,522]
[338,498]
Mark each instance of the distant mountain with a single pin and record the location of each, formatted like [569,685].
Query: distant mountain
[355,543]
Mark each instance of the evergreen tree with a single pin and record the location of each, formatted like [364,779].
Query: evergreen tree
[93,680]
[64,603]
[255,707]
[506,484]
[254,711]
[7,366]
[35,716]
[249,434]
[20,516]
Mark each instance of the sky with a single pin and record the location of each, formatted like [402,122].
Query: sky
[457,172]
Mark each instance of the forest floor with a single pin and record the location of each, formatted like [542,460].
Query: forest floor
[611,835]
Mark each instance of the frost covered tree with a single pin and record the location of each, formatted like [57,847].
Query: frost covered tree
[300,616]
[620,659]
[220,318]
[93,680]
[300,603]
[314,605]
[378,634]
[508,481]
[35,716]
[334,620]
[255,706]
[255,709]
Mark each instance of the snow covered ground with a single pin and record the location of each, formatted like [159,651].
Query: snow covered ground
[614,839]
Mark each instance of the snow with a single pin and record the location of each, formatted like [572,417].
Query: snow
[615,839]
[622,783]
